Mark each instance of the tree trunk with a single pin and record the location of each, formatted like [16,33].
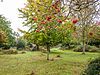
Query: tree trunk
[83,40]
[37,47]
[69,46]
[48,51]
[87,39]
[83,48]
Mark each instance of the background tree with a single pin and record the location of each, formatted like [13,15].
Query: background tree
[2,38]
[6,30]
[86,11]
[93,35]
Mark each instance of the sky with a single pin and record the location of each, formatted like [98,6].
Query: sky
[9,9]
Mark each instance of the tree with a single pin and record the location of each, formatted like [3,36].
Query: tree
[6,31]
[2,38]
[93,35]
[47,22]
[86,11]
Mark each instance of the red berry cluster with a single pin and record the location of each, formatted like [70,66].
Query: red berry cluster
[48,18]
[55,6]
[74,21]
[34,18]
[43,22]
[59,21]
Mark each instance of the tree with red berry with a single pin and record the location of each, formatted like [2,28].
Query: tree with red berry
[45,19]
[86,11]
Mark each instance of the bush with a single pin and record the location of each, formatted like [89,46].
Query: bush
[79,48]
[93,67]
[89,48]
[10,51]
[23,52]
[27,48]
[43,49]
[21,44]
[93,49]
[67,46]
[95,42]
[0,49]
[6,47]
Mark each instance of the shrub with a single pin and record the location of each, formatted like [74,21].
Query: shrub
[0,49]
[6,47]
[93,67]
[43,49]
[21,44]
[79,48]
[93,49]
[95,42]
[10,52]
[23,52]
[67,46]
[27,48]
[88,48]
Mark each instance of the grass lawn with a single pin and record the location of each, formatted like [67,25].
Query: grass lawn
[70,63]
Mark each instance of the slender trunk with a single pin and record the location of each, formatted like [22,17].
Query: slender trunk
[69,46]
[87,39]
[48,51]
[83,41]
[37,47]
[83,48]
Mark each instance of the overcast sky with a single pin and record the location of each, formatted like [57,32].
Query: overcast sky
[9,9]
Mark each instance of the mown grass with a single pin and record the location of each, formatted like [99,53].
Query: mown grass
[69,63]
